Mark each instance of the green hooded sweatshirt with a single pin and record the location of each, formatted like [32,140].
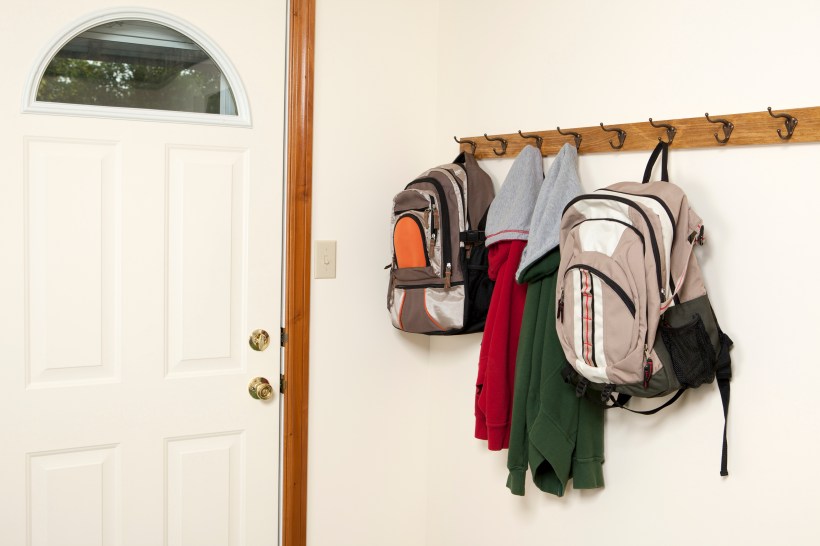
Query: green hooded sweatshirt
[559,435]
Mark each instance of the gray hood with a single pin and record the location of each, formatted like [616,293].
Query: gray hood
[511,210]
[561,186]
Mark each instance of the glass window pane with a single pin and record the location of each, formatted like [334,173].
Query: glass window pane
[137,64]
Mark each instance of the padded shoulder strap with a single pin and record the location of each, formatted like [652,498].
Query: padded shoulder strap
[661,147]
[480,192]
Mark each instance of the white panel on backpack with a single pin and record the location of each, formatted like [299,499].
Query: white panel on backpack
[600,237]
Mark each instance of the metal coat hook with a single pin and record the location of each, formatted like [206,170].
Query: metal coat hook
[538,140]
[621,137]
[498,139]
[470,142]
[791,123]
[670,131]
[577,136]
[728,127]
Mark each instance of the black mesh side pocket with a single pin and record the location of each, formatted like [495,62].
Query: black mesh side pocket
[693,357]
[479,288]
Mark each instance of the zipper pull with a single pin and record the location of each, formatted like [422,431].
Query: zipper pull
[435,218]
[647,368]
[447,273]
[432,245]
[427,217]
[560,314]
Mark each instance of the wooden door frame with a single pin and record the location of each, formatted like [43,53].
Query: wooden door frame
[297,269]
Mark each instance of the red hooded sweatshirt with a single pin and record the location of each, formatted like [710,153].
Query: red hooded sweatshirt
[496,363]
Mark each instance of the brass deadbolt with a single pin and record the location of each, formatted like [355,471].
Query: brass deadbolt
[259,340]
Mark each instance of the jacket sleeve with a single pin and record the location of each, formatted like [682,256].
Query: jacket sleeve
[588,460]
[522,394]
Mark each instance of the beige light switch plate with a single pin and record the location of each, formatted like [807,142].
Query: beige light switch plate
[325,259]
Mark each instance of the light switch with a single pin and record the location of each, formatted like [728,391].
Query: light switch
[325,256]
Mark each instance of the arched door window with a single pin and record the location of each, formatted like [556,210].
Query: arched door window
[138,66]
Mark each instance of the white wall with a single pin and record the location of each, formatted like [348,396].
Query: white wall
[374,123]
[392,458]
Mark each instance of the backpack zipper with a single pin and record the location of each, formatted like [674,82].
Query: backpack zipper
[674,234]
[630,226]
[446,251]
[655,251]
[560,314]
[630,305]
[463,197]
[647,366]
[433,218]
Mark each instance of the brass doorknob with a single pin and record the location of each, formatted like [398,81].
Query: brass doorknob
[259,340]
[260,388]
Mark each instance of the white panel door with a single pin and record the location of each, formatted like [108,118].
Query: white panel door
[136,259]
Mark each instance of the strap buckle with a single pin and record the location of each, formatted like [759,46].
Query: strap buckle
[581,387]
[473,236]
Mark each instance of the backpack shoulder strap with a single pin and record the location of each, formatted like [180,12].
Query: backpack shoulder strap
[663,149]
[724,376]
[481,191]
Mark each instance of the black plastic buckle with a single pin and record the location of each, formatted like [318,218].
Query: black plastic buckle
[581,387]
[607,392]
[473,237]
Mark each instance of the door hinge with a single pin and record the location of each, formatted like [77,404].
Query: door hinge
[283,337]
[283,384]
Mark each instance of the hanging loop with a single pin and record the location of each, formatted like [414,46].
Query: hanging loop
[498,139]
[728,127]
[465,141]
[538,140]
[791,123]
[621,137]
[577,136]
[670,131]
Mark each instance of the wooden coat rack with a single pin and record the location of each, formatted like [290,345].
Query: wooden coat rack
[766,127]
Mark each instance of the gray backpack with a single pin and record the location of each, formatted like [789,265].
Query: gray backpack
[438,274]
[633,314]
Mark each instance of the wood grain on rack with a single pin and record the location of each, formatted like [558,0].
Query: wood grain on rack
[752,128]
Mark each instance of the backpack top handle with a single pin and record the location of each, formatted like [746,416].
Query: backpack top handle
[663,149]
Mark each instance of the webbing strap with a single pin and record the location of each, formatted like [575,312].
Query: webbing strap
[724,376]
[619,402]
[661,147]
[723,386]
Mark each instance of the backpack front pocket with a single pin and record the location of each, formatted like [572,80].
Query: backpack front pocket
[599,319]
[416,238]
[420,303]
[410,242]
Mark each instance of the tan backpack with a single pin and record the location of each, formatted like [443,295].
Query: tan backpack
[633,314]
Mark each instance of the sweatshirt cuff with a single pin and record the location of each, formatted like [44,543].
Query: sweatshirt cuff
[498,437]
[515,481]
[480,428]
[588,473]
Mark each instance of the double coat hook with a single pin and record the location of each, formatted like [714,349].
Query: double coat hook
[621,137]
[577,136]
[538,140]
[728,127]
[670,131]
[791,123]
[503,144]
[470,142]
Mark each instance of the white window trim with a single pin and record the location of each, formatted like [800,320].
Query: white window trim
[32,105]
